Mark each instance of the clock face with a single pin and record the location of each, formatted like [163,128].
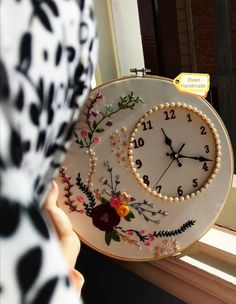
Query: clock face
[174,151]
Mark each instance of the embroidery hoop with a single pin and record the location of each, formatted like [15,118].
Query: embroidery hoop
[185,223]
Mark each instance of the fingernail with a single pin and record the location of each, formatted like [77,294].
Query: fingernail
[53,185]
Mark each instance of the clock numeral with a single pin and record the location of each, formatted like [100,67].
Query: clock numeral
[189,118]
[158,188]
[147,125]
[146,180]
[203,130]
[180,191]
[170,114]
[138,163]
[207,150]
[138,143]
[195,182]
[204,167]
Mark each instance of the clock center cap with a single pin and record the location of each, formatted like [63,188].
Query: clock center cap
[176,155]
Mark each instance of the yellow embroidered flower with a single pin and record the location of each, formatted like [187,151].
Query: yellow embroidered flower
[124,198]
[123,210]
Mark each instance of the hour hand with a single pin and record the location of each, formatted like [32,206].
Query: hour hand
[199,158]
[168,141]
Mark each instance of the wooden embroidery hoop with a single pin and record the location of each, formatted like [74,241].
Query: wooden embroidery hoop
[202,209]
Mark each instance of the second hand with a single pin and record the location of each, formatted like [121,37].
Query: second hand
[174,158]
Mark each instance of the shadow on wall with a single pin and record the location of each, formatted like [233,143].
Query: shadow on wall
[108,283]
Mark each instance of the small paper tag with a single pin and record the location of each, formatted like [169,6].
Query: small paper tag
[193,83]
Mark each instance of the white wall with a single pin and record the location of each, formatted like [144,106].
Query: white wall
[127,35]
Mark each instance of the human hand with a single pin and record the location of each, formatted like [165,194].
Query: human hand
[69,241]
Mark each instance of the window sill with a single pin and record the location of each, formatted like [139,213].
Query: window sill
[204,273]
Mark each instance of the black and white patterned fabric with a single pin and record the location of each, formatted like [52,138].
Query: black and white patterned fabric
[48,50]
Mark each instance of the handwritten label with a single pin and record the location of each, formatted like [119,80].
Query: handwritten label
[193,83]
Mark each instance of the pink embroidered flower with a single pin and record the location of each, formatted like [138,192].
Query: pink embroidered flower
[150,237]
[147,243]
[80,199]
[130,232]
[115,202]
[124,198]
[97,139]
[81,211]
[84,133]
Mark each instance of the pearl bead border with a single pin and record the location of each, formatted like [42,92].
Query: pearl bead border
[217,160]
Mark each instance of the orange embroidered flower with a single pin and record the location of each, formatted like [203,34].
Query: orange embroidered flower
[123,210]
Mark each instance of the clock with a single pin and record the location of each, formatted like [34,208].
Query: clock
[174,151]
[148,171]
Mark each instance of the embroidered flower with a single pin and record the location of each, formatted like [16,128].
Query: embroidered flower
[124,198]
[167,247]
[84,134]
[123,210]
[96,139]
[80,199]
[115,202]
[105,217]
[109,123]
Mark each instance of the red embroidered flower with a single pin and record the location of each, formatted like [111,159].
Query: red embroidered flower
[115,202]
[105,217]
[84,133]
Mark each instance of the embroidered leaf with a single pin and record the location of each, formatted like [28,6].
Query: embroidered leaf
[99,130]
[108,237]
[90,135]
[129,216]
[28,268]
[104,200]
[112,235]
[115,236]
[94,124]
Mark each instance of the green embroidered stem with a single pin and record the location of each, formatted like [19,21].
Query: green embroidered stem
[126,102]
[141,211]
[161,234]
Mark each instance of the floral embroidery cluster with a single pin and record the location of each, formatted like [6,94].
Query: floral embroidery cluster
[165,248]
[115,206]
[96,120]
[108,207]
[119,144]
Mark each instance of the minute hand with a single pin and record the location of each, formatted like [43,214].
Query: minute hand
[199,158]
